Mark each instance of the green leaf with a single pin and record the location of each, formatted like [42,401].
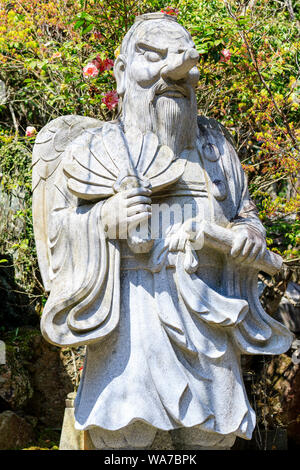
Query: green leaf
[88,29]
[78,24]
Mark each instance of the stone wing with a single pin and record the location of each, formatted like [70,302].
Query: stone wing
[48,152]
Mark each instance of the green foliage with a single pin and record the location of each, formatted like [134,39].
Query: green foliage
[16,235]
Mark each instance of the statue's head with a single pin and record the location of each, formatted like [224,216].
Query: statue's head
[156,76]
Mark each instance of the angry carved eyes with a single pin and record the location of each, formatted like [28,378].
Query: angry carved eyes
[153,56]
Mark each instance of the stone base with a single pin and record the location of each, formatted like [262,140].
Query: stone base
[133,438]
[70,438]
[196,439]
[138,436]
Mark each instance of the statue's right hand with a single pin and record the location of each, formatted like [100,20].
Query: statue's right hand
[125,210]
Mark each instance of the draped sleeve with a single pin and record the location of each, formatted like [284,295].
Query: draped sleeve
[84,301]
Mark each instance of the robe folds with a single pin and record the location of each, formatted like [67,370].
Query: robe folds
[163,344]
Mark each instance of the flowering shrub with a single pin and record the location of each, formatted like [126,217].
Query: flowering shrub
[170,11]
[51,52]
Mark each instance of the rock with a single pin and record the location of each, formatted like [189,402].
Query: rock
[16,306]
[162,441]
[283,392]
[15,432]
[289,308]
[73,360]
[50,382]
[15,387]
[37,377]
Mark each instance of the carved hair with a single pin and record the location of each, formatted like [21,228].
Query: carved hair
[139,21]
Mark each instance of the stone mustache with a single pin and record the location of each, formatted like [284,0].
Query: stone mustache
[150,247]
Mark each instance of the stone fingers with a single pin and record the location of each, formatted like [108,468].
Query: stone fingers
[260,252]
[173,243]
[181,242]
[178,241]
[249,249]
[137,200]
[130,193]
[238,246]
[138,209]
[137,218]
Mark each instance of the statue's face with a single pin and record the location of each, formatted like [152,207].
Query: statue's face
[156,80]
[164,54]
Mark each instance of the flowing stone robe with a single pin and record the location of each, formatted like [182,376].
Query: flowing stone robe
[164,341]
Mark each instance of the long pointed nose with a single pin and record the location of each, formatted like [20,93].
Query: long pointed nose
[182,64]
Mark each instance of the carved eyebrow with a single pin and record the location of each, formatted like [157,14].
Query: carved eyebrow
[150,47]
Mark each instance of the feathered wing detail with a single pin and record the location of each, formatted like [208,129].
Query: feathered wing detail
[50,145]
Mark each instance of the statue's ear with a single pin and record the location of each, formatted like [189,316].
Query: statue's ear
[119,73]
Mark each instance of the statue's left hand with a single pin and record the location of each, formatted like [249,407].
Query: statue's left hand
[248,244]
[178,235]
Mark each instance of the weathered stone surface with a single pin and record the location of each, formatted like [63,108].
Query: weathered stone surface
[150,246]
[195,438]
[15,432]
[71,439]
[162,441]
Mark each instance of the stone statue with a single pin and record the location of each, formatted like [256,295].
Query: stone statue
[150,246]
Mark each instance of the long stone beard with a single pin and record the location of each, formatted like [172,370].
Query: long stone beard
[173,120]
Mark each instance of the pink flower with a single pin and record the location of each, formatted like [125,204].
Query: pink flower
[225,55]
[56,55]
[102,65]
[90,70]
[170,11]
[110,99]
[30,131]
